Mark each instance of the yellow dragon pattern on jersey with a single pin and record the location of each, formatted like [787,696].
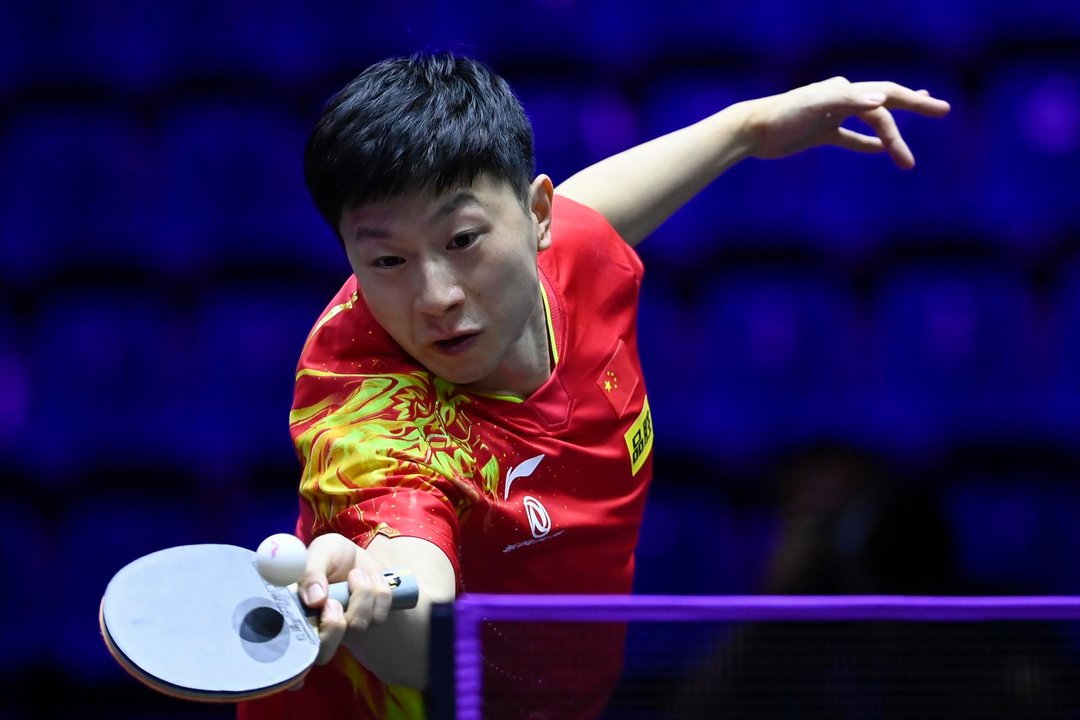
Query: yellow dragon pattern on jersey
[404,426]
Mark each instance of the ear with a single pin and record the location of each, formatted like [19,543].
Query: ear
[541,193]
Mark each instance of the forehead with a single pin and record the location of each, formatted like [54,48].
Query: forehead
[486,196]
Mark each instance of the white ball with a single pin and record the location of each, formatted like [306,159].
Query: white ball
[281,559]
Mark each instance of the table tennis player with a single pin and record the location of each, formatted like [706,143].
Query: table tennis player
[470,403]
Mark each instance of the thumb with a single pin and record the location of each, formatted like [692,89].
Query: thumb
[330,557]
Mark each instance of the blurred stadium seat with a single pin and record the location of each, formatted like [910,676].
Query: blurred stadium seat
[554,105]
[112,380]
[1062,400]
[1016,532]
[14,65]
[30,568]
[749,30]
[783,356]
[721,548]
[1028,24]
[274,43]
[673,375]
[111,44]
[232,191]
[497,33]
[953,31]
[956,355]
[920,27]
[15,384]
[248,341]
[608,123]
[1031,153]
[79,182]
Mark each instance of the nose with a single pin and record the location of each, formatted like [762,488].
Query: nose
[439,289]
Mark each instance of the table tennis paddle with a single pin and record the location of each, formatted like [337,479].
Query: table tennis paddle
[199,622]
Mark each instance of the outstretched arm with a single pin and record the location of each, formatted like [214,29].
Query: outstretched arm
[640,188]
[394,646]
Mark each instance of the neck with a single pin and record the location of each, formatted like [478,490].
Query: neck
[529,364]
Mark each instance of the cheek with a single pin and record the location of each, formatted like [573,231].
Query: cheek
[511,273]
[516,293]
[391,313]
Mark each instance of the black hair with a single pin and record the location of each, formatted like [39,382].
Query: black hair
[425,122]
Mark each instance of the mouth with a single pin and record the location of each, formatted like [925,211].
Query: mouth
[457,344]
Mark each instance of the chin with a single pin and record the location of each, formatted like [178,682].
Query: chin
[455,375]
[469,380]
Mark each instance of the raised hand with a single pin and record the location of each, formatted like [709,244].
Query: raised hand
[813,115]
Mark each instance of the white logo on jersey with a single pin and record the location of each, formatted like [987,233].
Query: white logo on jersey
[539,520]
[525,469]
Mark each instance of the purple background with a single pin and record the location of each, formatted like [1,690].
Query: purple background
[863,380]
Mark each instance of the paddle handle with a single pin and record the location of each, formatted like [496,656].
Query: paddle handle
[404,592]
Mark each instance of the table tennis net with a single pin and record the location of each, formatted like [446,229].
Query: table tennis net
[768,657]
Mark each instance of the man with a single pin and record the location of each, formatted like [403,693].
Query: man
[470,404]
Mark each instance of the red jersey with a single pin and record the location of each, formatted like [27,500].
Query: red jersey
[543,494]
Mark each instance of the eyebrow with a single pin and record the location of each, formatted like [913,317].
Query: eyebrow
[363,232]
[459,199]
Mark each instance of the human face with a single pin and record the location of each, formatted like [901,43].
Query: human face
[452,278]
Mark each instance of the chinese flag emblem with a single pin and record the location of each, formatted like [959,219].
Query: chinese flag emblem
[618,380]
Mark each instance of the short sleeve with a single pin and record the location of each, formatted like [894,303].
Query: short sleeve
[593,238]
[392,509]
[385,454]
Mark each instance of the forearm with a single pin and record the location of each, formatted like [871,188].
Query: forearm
[396,650]
[638,189]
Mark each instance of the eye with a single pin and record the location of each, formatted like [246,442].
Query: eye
[463,241]
[387,262]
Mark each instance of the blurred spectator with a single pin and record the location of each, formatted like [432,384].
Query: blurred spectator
[846,527]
